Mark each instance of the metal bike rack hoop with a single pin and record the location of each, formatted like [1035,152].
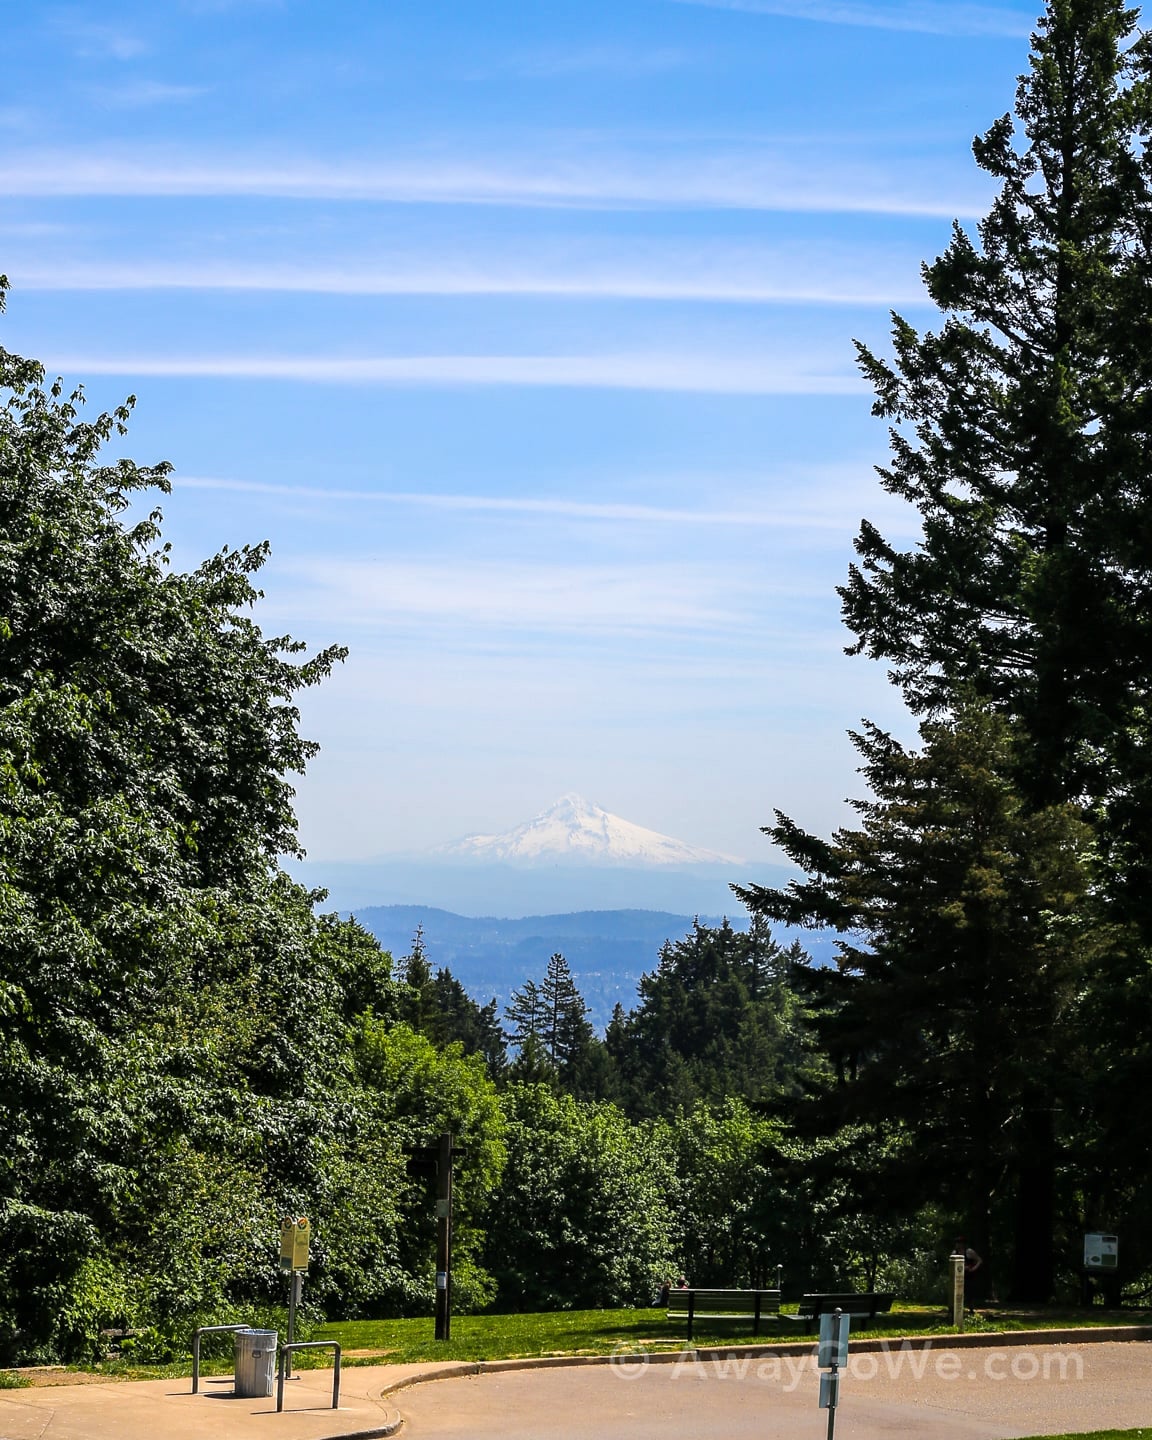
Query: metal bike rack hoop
[196,1334]
[286,1350]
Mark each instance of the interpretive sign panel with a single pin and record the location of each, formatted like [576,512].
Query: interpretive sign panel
[1101,1252]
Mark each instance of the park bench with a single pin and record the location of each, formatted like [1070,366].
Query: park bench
[861,1307]
[696,1303]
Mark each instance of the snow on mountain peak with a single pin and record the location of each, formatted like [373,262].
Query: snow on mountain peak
[575,830]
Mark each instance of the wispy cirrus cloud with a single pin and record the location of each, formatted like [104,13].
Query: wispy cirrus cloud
[224,7]
[598,59]
[754,179]
[820,516]
[94,39]
[141,94]
[712,280]
[704,374]
[544,596]
[925,16]
[20,118]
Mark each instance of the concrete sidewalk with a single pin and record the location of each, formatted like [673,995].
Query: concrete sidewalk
[167,1410]
[963,1394]
[994,1388]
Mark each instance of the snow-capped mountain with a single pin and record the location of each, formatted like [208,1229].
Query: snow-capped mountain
[575,830]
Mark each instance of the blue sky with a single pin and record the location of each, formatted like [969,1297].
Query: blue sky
[523,331]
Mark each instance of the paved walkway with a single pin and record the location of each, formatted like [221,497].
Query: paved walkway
[988,1394]
[957,1395]
[167,1410]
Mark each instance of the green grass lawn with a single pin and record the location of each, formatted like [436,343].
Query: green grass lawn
[599,1332]
[493,1337]
[1099,1435]
[587,1332]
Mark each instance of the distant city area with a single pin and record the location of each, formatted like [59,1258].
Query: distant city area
[607,950]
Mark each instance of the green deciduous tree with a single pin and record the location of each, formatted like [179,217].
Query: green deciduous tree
[415,1092]
[174,1056]
[582,1216]
[732,1209]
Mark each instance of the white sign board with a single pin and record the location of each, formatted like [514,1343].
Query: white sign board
[1101,1252]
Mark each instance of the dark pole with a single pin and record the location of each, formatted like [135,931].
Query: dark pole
[444,1238]
[834,1385]
[293,1296]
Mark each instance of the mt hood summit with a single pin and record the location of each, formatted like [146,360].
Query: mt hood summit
[574,830]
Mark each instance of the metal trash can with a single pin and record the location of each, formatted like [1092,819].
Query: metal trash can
[255,1363]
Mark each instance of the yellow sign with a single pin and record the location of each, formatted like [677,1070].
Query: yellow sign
[300,1246]
[294,1239]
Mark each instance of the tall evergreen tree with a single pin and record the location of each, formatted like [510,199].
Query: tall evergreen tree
[1022,434]
[452,1015]
[550,1017]
[438,1006]
[566,1032]
[954,1013]
[524,1014]
[1023,429]
[417,970]
[716,1018]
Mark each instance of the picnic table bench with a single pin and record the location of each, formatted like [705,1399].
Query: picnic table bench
[698,1303]
[864,1306]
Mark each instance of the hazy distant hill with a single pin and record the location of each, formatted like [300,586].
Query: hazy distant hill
[476,888]
[573,856]
[608,950]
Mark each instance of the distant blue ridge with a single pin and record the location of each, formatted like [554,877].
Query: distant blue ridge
[607,950]
[470,888]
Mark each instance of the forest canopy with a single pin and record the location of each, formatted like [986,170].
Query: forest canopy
[189,1049]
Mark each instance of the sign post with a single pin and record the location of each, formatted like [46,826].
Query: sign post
[832,1354]
[438,1160]
[444,1238]
[295,1241]
[958,1260]
[294,1286]
[1102,1266]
